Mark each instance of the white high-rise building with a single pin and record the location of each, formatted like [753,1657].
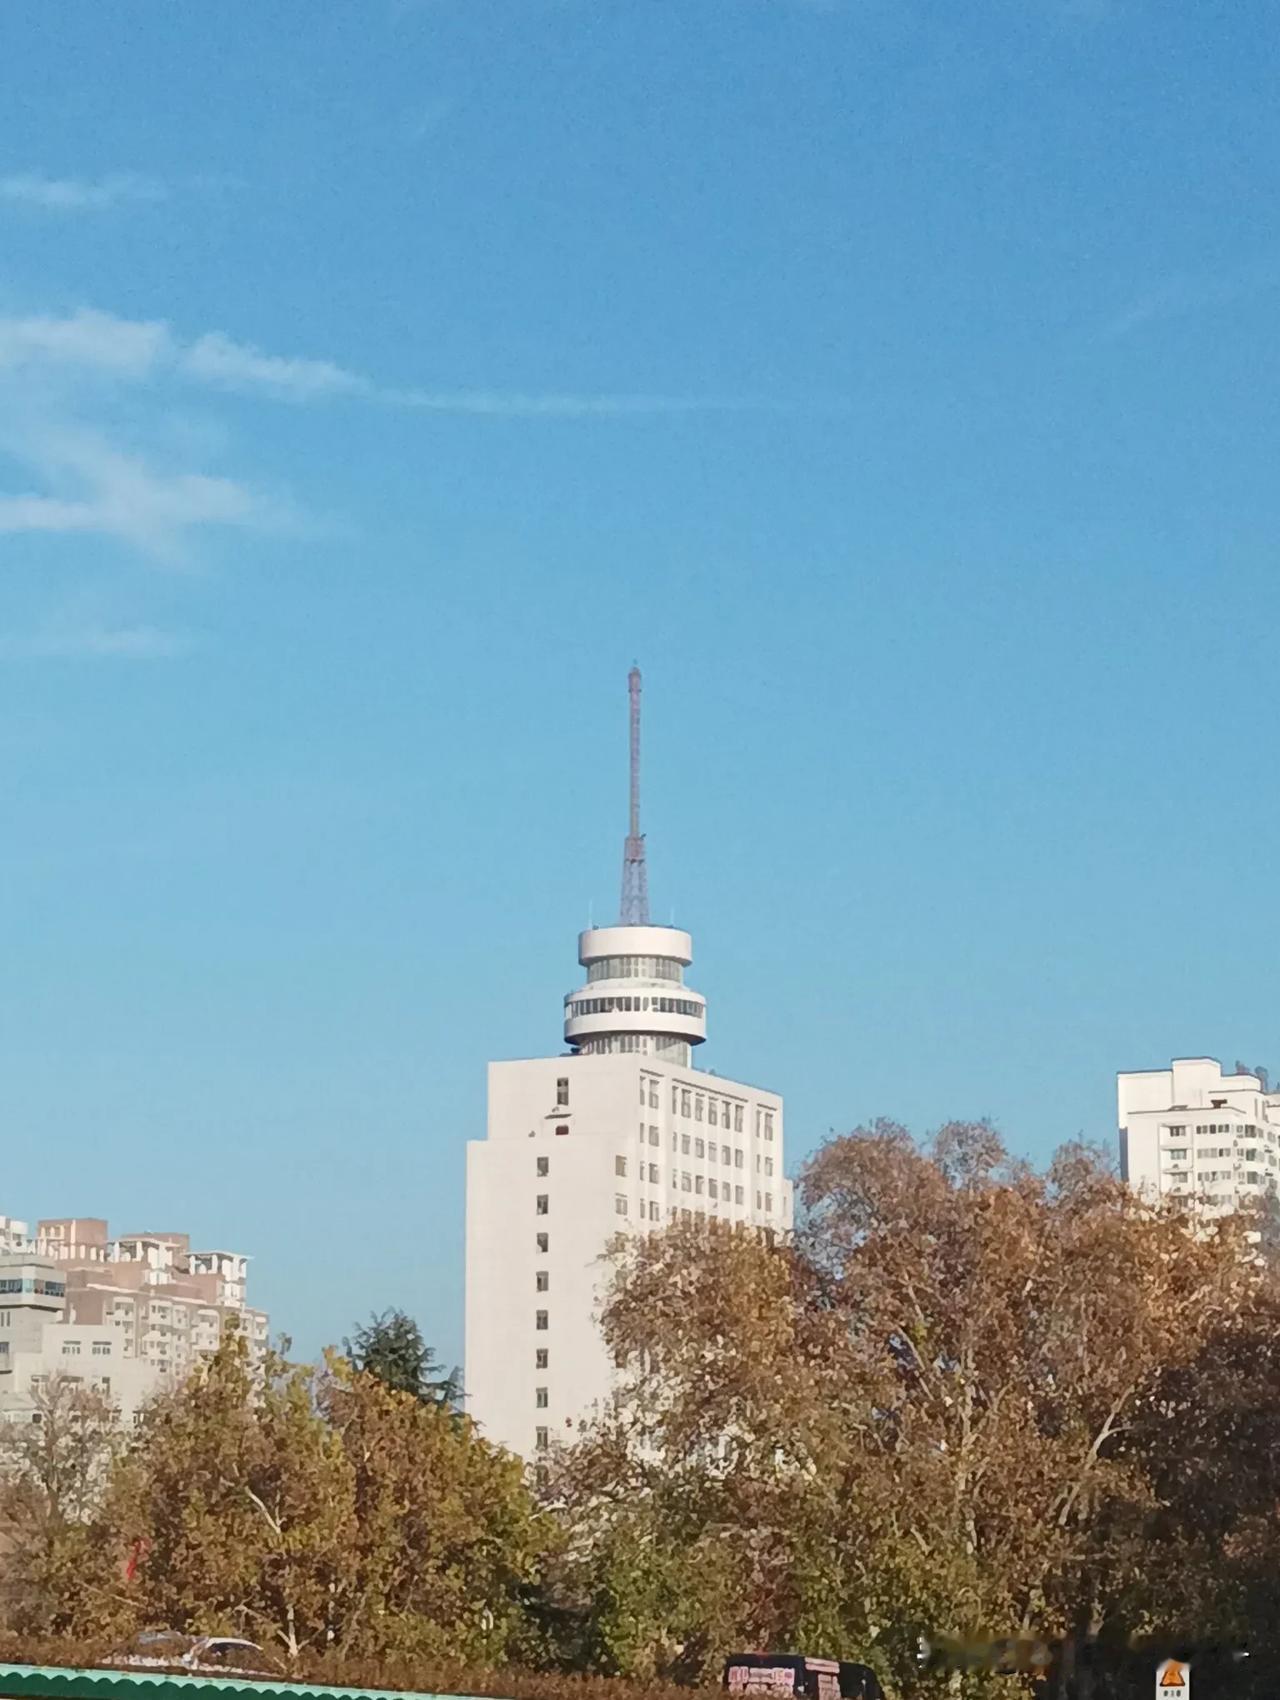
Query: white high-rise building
[1191,1131]
[620,1133]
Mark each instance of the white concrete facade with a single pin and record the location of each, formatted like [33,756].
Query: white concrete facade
[1190,1131]
[13,1235]
[37,1344]
[620,1134]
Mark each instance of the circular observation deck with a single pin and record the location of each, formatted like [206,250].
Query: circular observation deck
[635,998]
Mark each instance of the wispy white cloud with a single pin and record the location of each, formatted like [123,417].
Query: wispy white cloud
[500,404]
[74,194]
[1181,294]
[92,486]
[86,340]
[95,643]
[215,359]
[140,349]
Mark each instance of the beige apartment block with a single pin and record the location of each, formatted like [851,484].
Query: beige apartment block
[128,1315]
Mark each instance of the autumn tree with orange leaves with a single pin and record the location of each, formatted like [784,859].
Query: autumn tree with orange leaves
[919,1413]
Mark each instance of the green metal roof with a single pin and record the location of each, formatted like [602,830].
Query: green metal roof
[48,1682]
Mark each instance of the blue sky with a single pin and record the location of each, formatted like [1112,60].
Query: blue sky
[895,380]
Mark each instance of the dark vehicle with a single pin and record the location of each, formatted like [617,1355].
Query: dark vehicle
[859,1682]
[793,1673]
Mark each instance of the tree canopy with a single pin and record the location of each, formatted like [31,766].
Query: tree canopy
[965,1397]
[391,1348]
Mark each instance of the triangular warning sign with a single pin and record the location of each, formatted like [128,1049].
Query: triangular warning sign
[1173,1675]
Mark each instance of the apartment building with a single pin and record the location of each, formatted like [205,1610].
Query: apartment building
[130,1314]
[1191,1131]
[37,1343]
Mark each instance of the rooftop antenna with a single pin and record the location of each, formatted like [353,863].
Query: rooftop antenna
[635,876]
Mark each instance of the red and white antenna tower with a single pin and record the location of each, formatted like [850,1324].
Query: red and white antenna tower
[635,876]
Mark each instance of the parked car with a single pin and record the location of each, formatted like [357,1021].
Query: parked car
[195,1655]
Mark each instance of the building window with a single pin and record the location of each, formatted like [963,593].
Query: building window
[675,1099]
[653,1136]
[561,1131]
[653,1094]
[540,1398]
[768,1124]
[711,1112]
[544,1165]
[697,1108]
[768,1165]
[686,1183]
[544,1242]
[655,1174]
[685,1096]
[684,1143]
[699,1149]
[544,1204]
[698,1183]
[713,1188]
[654,1210]
[620,1205]
[737,1118]
[620,1166]
[562,1092]
[542,1280]
[737,1157]
[102,1348]
[540,1321]
[71,1348]
[768,1203]
[540,1439]
[739,1197]
[541,1358]
[725,1155]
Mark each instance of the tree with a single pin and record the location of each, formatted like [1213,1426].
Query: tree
[54,1471]
[447,1537]
[241,1500]
[321,1512]
[391,1348]
[916,1416]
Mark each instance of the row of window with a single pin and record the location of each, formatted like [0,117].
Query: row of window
[635,1006]
[28,1284]
[685,1101]
[1212,1153]
[1241,1130]
[718,1192]
[610,1044]
[636,968]
[101,1348]
[542,1166]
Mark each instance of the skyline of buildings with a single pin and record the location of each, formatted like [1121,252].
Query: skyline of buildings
[619,1132]
[127,1315]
